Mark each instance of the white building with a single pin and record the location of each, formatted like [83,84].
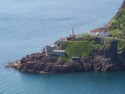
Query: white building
[100,32]
[49,48]
[63,39]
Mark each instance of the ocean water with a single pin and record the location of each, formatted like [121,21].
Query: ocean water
[28,25]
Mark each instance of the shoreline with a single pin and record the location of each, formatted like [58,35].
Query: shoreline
[46,64]
[97,51]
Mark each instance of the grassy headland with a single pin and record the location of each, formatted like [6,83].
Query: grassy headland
[117,24]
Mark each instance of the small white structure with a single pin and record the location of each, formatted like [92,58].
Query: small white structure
[72,35]
[57,53]
[63,39]
[49,48]
[100,31]
[76,59]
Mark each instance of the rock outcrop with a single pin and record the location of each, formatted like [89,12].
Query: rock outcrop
[108,57]
[103,59]
[39,63]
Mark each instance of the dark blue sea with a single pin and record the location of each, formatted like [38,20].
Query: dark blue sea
[28,25]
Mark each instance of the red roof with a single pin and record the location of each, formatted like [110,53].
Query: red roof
[102,29]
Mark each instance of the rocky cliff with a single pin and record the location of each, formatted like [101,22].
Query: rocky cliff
[106,54]
[108,58]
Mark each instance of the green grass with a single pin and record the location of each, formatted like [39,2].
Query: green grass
[62,45]
[117,25]
[121,45]
[88,46]
[78,48]
[64,59]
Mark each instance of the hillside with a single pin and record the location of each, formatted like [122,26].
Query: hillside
[117,25]
[79,53]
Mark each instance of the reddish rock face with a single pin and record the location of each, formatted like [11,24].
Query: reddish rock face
[105,59]
[123,5]
[39,63]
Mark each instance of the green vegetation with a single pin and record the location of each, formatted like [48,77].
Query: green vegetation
[117,24]
[85,46]
[78,48]
[63,59]
[121,45]
[62,45]
[89,44]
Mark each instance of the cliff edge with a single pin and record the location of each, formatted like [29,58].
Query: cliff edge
[81,53]
[117,25]
[105,55]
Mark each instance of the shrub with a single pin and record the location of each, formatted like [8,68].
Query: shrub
[117,25]
[78,48]
[63,45]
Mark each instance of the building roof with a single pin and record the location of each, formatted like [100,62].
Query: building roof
[76,57]
[65,38]
[58,50]
[102,29]
[53,45]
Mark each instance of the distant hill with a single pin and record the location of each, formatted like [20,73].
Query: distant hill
[117,25]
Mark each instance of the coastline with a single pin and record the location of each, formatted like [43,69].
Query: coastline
[40,63]
[104,54]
